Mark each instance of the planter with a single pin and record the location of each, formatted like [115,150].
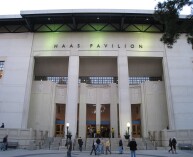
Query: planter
[127,136]
[68,136]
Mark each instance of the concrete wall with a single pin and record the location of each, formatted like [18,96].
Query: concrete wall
[15,50]
[182,136]
[24,137]
[178,75]
[154,107]
[42,106]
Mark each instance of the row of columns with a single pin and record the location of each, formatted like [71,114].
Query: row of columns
[72,95]
[123,94]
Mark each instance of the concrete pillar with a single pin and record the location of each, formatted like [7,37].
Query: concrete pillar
[98,109]
[82,111]
[123,93]
[72,94]
[144,121]
[27,94]
[113,109]
[168,94]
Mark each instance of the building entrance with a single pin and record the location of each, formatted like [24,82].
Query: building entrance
[136,120]
[105,120]
[91,120]
[59,123]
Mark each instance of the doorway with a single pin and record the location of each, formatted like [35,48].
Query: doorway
[90,120]
[59,123]
[136,120]
[105,121]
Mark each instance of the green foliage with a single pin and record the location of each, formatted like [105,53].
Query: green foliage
[167,13]
[126,133]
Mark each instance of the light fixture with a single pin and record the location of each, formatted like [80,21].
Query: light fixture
[128,126]
[67,126]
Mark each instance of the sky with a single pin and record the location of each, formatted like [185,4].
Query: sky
[8,7]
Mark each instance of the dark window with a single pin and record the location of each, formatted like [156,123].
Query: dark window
[139,80]
[98,80]
[56,79]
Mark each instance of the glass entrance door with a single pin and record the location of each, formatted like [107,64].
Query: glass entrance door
[136,120]
[91,120]
[105,121]
[59,123]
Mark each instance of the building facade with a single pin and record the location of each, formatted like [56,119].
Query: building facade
[95,80]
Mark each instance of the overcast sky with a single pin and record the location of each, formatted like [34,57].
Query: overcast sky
[8,7]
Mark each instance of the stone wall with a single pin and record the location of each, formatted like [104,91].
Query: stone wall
[25,137]
[161,138]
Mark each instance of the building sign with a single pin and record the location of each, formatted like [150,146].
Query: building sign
[98,46]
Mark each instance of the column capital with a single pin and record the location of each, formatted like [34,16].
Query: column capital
[122,53]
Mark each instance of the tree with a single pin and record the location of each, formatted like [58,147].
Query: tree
[167,13]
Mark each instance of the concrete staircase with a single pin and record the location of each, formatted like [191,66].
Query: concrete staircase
[62,144]
[148,144]
[142,144]
[56,143]
[52,143]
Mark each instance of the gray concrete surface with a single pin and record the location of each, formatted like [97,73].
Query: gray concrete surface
[59,153]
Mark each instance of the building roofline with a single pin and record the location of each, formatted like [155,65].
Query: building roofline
[70,11]
[82,20]
[78,11]
[13,16]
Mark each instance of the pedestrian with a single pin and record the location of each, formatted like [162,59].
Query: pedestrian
[69,147]
[2,125]
[80,143]
[98,133]
[107,146]
[4,144]
[102,146]
[90,132]
[98,150]
[133,147]
[94,132]
[93,148]
[120,147]
[174,142]
[170,145]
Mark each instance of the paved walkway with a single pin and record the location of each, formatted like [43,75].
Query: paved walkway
[58,153]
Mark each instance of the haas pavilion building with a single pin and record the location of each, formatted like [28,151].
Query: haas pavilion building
[94,71]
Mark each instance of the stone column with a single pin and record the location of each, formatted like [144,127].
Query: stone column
[27,93]
[98,109]
[72,94]
[123,93]
[168,94]
[113,109]
[82,111]
[144,121]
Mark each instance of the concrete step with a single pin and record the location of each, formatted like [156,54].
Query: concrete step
[87,144]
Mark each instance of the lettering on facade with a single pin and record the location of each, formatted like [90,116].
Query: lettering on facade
[99,46]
